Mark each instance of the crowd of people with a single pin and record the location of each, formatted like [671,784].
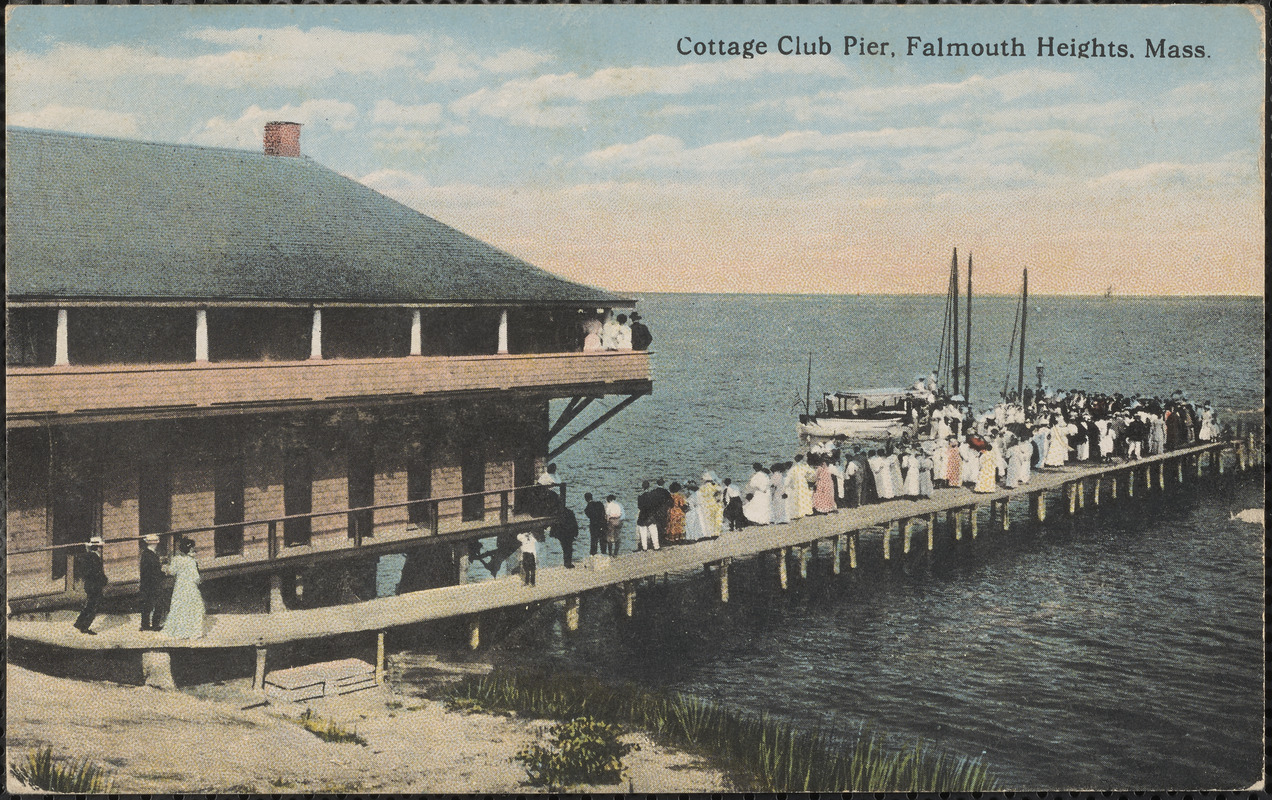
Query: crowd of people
[943,445]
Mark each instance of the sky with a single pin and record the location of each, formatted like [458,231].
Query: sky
[584,140]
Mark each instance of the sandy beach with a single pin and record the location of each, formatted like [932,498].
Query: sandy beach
[207,740]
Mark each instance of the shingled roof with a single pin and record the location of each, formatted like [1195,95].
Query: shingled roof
[91,217]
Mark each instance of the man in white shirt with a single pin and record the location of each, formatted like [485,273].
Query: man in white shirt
[529,556]
[613,524]
[624,334]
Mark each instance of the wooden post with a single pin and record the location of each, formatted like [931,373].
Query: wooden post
[1081,493]
[904,524]
[1130,482]
[1113,485]
[1006,520]
[503,332]
[201,335]
[837,546]
[1197,458]
[931,531]
[852,551]
[61,349]
[258,680]
[1179,470]
[1219,459]
[572,613]
[973,518]
[417,335]
[156,669]
[379,658]
[887,542]
[958,525]
[460,551]
[1161,475]
[474,632]
[1039,502]
[1072,495]
[781,567]
[803,562]
[315,335]
[723,572]
[1095,492]
[629,599]
[275,602]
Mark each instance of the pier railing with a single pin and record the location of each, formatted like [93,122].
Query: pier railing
[270,545]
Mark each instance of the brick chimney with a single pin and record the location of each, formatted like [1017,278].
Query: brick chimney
[282,139]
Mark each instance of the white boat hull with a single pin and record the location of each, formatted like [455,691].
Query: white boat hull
[830,427]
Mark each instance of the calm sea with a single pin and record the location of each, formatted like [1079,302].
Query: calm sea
[1121,650]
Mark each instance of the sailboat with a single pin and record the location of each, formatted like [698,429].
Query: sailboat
[1108,293]
[885,412]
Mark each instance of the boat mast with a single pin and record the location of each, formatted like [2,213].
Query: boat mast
[967,362]
[1024,316]
[954,283]
[808,388]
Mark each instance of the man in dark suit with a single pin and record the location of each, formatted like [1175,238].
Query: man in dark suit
[93,573]
[565,529]
[641,337]
[594,510]
[660,500]
[151,584]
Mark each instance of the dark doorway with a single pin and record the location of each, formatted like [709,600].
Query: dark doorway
[361,488]
[473,476]
[154,502]
[77,516]
[419,486]
[228,490]
[298,498]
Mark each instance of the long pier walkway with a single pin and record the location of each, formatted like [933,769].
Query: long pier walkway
[891,525]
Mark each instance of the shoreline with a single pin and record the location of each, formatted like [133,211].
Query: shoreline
[215,738]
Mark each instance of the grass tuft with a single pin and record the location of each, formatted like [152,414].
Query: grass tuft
[41,771]
[780,757]
[328,730]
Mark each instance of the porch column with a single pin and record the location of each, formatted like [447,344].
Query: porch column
[61,357]
[201,335]
[315,335]
[503,331]
[417,333]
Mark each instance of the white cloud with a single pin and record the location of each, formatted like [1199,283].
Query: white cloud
[246,131]
[1163,174]
[452,61]
[875,99]
[669,152]
[558,99]
[77,119]
[388,112]
[1062,113]
[267,57]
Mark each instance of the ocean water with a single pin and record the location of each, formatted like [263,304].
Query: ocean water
[1122,649]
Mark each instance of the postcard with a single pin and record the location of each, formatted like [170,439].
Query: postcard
[634,399]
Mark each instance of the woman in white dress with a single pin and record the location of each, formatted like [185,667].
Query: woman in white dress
[1207,431]
[1058,447]
[971,463]
[693,517]
[186,612]
[910,466]
[709,504]
[756,507]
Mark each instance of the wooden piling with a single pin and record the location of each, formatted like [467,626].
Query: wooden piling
[274,602]
[1039,501]
[1161,475]
[379,658]
[958,525]
[1219,461]
[803,562]
[1179,470]
[1095,492]
[852,551]
[904,525]
[474,632]
[931,531]
[887,541]
[1006,518]
[1072,495]
[781,567]
[1081,490]
[460,553]
[572,613]
[973,516]
[629,599]
[258,678]
[1130,482]
[1197,465]
[1112,485]
[723,574]
[835,566]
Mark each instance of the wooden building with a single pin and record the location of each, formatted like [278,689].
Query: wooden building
[289,368]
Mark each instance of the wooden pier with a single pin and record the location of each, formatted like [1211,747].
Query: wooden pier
[891,525]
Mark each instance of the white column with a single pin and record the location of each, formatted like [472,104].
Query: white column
[201,335]
[503,331]
[417,335]
[62,357]
[315,335]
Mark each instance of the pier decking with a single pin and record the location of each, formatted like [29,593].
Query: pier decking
[891,525]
